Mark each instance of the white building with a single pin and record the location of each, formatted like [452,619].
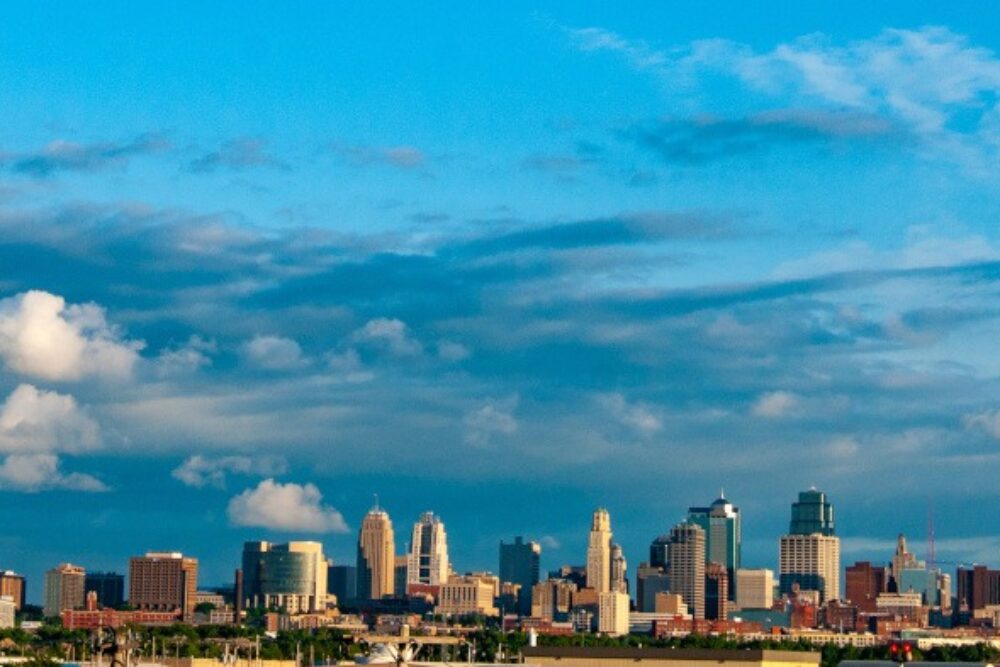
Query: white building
[754,588]
[427,562]
[7,607]
[811,561]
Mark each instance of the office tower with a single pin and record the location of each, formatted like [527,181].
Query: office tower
[520,563]
[723,537]
[64,589]
[619,580]
[163,581]
[658,556]
[687,566]
[376,556]
[400,574]
[290,576]
[812,562]
[754,588]
[612,613]
[468,594]
[552,599]
[109,587]
[599,552]
[811,514]
[428,560]
[648,582]
[864,583]
[978,588]
[716,592]
[342,581]
[13,586]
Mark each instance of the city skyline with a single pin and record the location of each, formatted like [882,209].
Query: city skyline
[259,262]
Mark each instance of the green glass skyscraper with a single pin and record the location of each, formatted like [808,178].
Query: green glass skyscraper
[721,523]
[811,514]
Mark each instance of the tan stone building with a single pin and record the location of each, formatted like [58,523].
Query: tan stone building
[612,613]
[812,561]
[754,588]
[64,587]
[552,599]
[163,581]
[599,552]
[468,594]
[376,556]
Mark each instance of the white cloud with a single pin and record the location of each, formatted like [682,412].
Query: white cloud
[37,421]
[639,54]
[637,416]
[490,421]
[775,404]
[199,471]
[274,353]
[347,367]
[450,351]
[42,336]
[988,421]
[285,507]
[550,542]
[187,358]
[391,334]
[34,472]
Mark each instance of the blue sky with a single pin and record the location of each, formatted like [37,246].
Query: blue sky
[261,260]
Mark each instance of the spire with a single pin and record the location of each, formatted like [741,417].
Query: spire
[376,508]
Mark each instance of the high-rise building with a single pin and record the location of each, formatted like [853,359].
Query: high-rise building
[978,588]
[400,575]
[520,563]
[12,585]
[658,551]
[376,556]
[812,562]
[64,589]
[687,566]
[342,582]
[599,552]
[811,514]
[291,576]
[619,567]
[612,613]
[649,581]
[108,586]
[723,536]
[716,592]
[163,581]
[864,583]
[428,559]
[754,588]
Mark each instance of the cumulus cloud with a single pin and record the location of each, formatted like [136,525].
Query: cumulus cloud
[495,419]
[187,358]
[638,417]
[390,334]
[285,507]
[35,472]
[199,471]
[775,404]
[34,421]
[274,353]
[42,336]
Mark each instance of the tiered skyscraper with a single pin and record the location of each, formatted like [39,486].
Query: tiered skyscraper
[599,552]
[809,556]
[723,536]
[376,556]
[428,558]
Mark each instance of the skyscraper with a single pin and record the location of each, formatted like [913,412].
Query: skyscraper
[723,537]
[599,552]
[520,563]
[619,580]
[716,592]
[290,576]
[376,556]
[109,587]
[428,558]
[658,549]
[12,586]
[163,581]
[809,556]
[811,514]
[64,589]
[687,566]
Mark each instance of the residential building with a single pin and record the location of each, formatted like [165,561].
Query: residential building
[12,585]
[428,558]
[468,594]
[612,613]
[109,587]
[376,556]
[290,576]
[687,566]
[599,552]
[811,562]
[723,536]
[163,581]
[64,589]
[754,588]
[520,563]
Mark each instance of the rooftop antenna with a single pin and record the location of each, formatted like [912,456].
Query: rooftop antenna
[376,502]
[930,533]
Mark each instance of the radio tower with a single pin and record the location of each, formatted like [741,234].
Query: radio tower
[930,533]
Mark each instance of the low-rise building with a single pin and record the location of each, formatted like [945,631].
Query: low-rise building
[467,594]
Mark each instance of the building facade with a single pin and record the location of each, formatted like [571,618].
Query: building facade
[716,592]
[619,570]
[290,576]
[612,613]
[376,556]
[864,583]
[599,552]
[520,563]
[723,535]
[812,513]
[64,589]
[163,581]
[428,558]
[754,588]
[12,585]
[687,566]
[812,562]
[109,587]
[468,594]
[342,582]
